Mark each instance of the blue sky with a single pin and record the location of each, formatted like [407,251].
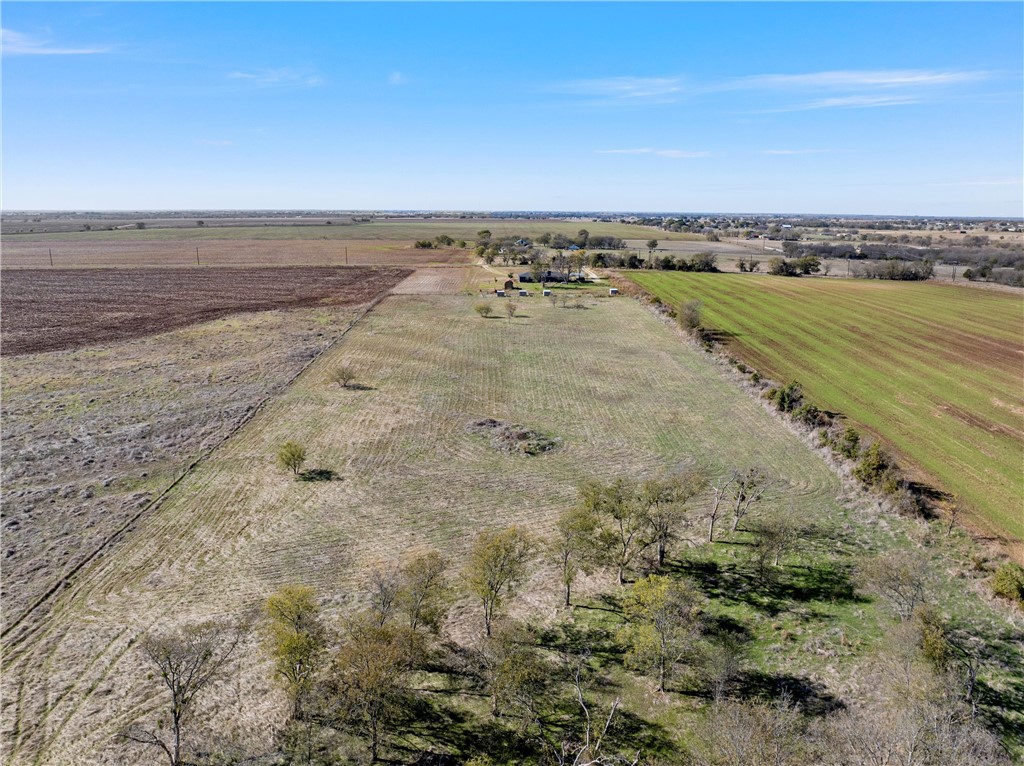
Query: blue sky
[876,108]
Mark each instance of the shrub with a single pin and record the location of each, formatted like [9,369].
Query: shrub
[1008,582]
[483,309]
[343,374]
[689,315]
[424,244]
[787,398]
[873,465]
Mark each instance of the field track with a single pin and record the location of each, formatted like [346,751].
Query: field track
[610,380]
[936,371]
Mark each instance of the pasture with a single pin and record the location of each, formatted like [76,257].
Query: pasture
[618,387]
[933,370]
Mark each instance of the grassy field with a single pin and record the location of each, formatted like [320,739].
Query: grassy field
[620,389]
[934,370]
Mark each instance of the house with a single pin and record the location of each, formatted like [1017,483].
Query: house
[546,276]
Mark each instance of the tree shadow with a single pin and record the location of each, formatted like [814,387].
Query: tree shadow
[317,474]
[812,696]
[359,387]
[771,590]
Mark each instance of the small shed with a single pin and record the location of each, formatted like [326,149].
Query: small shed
[613,291]
[510,285]
[523,294]
[547,293]
[500,293]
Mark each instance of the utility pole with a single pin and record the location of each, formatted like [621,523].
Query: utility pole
[197,256]
[847,265]
[346,255]
[51,258]
[954,270]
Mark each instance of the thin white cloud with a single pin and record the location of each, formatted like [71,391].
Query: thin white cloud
[397,78]
[1018,182]
[18,44]
[858,79]
[673,153]
[284,77]
[849,102]
[786,152]
[215,142]
[625,88]
[848,87]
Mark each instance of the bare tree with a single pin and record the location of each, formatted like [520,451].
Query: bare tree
[510,310]
[748,488]
[187,663]
[720,492]
[901,577]
[583,741]
[344,374]
[384,585]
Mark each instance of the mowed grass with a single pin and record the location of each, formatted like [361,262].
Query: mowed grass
[934,370]
[610,380]
[621,390]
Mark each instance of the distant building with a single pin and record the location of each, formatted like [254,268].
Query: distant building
[547,276]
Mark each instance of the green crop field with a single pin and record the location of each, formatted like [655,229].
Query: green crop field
[934,370]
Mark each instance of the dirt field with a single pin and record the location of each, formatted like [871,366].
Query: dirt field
[116,249]
[68,308]
[92,435]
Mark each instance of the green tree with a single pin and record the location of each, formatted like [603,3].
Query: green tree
[297,641]
[498,564]
[423,597]
[665,624]
[483,309]
[513,673]
[665,502]
[370,678]
[623,527]
[291,456]
[652,245]
[573,546]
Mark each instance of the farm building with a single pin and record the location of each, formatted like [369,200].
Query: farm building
[547,276]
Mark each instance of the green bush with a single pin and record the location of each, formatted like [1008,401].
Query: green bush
[1008,582]
[873,465]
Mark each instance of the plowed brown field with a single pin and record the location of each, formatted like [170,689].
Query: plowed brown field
[70,308]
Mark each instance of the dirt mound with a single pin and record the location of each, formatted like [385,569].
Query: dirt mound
[512,437]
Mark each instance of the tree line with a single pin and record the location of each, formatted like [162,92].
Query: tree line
[384,678]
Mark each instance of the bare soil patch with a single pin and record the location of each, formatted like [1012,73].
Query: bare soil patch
[104,250]
[91,436]
[69,308]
